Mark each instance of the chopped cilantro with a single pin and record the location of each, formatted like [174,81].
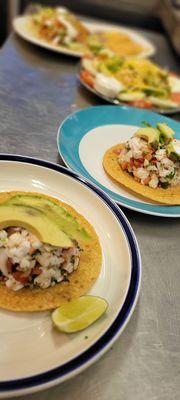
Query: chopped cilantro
[65,279]
[114,64]
[73,259]
[37,252]
[171,175]
[146,124]
[174,156]
[164,185]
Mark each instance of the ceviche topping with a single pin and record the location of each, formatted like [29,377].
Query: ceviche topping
[60,27]
[25,261]
[152,157]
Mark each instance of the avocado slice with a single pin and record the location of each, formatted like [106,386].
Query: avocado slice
[114,64]
[131,96]
[166,133]
[104,70]
[36,221]
[173,150]
[95,43]
[162,103]
[153,91]
[151,135]
[65,221]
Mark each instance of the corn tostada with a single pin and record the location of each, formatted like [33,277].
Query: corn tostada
[147,164]
[49,253]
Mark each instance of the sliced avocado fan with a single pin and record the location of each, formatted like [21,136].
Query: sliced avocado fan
[166,133]
[151,135]
[173,150]
[64,220]
[36,221]
[161,135]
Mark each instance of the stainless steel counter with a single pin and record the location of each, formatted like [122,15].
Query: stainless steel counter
[38,89]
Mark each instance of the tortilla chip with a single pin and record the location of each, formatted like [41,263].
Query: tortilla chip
[170,196]
[80,281]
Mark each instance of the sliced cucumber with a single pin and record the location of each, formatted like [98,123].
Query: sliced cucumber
[125,96]
[163,102]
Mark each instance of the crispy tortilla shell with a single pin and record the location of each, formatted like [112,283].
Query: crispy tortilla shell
[80,281]
[169,196]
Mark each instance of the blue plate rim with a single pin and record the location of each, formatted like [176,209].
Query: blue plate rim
[150,209]
[82,361]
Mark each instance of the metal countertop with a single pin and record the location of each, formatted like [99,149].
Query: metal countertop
[38,89]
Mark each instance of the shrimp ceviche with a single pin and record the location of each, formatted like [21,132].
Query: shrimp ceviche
[147,164]
[27,262]
[152,157]
[60,27]
[49,253]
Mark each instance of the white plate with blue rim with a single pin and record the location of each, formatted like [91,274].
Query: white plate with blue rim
[35,356]
[84,137]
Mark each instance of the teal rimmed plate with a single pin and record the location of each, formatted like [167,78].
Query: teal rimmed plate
[84,136]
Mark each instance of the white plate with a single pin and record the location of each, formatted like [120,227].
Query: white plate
[159,110]
[21,27]
[33,355]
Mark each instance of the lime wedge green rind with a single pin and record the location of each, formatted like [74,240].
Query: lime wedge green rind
[78,314]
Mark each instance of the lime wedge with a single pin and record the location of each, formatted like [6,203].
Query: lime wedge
[78,314]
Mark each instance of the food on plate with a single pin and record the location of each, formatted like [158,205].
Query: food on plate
[113,42]
[139,83]
[60,27]
[147,164]
[78,314]
[49,253]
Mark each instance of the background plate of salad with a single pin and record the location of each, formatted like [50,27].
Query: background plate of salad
[131,81]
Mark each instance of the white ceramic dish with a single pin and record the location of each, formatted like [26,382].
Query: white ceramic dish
[159,110]
[21,27]
[33,355]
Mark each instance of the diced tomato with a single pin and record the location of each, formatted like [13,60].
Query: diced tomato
[148,156]
[32,250]
[175,97]
[146,181]
[9,265]
[124,165]
[87,78]
[20,277]
[131,162]
[141,103]
[153,161]
[151,150]
[36,271]
[140,160]
[172,73]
